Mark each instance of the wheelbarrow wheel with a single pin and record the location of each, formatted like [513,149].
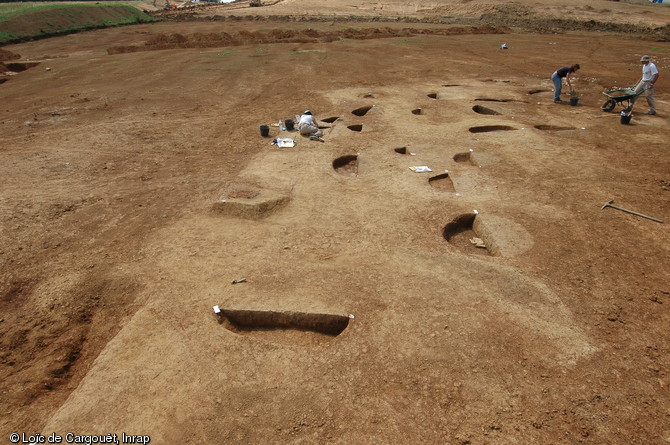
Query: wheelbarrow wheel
[609,105]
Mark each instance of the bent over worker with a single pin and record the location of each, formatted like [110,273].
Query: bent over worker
[557,78]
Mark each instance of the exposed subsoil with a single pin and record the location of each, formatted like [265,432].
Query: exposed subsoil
[138,193]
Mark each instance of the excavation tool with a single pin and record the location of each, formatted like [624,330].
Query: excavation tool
[609,204]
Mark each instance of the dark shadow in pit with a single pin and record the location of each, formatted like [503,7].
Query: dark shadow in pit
[360,112]
[462,157]
[417,111]
[355,127]
[346,165]
[330,120]
[461,234]
[489,128]
[483,110]
[538,91]
[442,182]
[553,128]
[242,321]
[451,85]
[433,95]
[497,100]
[17,67]
[401,150]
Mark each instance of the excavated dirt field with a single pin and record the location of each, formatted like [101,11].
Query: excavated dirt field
[489,301]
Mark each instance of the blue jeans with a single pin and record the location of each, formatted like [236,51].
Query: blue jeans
[558,86]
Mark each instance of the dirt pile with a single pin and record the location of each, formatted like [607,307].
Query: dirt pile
[212,40]
[8,55]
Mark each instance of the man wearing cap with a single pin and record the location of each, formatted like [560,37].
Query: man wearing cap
[307,125]
[646,83]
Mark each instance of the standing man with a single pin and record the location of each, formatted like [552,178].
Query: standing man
[557,78]
[646,83]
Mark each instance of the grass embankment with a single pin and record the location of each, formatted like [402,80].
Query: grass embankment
[27,21]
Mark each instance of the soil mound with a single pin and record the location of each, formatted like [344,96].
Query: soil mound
[8,55]
[209,40]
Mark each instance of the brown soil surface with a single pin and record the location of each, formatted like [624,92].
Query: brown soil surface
[138,194]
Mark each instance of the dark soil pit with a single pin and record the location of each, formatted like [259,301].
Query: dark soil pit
[433,95]
[490,128]
[463,157]
[442,182]
[417,111]
[538,91]
[284,327]
[17,67]
[451,85]
[355,127]
[346,165]
[553,128]
[360,112]
[483,110]
[330,120]
[496,100]
[462,233]
[401,150]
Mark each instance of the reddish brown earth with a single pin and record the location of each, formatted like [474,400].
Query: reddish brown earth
[137,188]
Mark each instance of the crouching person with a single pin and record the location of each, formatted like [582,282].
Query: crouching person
[307,125]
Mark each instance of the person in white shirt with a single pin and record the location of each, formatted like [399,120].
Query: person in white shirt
[307,125]
[646,83]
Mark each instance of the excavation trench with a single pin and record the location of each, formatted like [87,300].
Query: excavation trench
[496,100]
[484,110]
[355,128]
[330,120]
[17,67]
[346,165]
[360,112]
[462,157]
[468,234]
[442,182]
[250,202]
[553,128]
[275,325]
[490,128]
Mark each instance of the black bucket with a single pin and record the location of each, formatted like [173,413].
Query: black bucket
[265,131]
[289,125]
[625,119]
[574,101]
